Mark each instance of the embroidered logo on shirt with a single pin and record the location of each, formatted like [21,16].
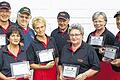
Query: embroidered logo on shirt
[79,60]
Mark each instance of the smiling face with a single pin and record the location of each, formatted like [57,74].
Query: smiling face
[14,38]
[99,23]
[23,19]
[75,36]
[40,29]
[63,24]
[4,14]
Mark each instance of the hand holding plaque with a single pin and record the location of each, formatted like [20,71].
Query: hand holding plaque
[46,55]
[50,64]
[110,53]
[70,70]
[20,69]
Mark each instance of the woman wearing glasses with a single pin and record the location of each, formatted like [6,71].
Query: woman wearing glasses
[78,57]
[99,39]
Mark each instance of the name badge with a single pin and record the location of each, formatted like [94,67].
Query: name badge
[46,55]
[19,69]
[2,39]
[98,41]
[70,70]
[110,52]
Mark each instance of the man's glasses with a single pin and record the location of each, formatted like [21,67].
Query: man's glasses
[26,17]
[5,11]
[76,35]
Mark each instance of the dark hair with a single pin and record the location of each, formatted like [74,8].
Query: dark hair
[11,30]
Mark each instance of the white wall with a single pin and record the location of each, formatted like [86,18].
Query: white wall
[80,11]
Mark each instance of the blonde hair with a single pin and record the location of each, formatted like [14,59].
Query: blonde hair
[37,20]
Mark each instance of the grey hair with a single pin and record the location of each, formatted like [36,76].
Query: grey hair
[76,26]
[96,14]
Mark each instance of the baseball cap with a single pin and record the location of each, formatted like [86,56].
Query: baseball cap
[5,5]
[25,10]
[63,15]
[118,13]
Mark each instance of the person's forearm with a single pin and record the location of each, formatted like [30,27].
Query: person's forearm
[116,62]
[90,73]
[3,76]
[60,72]
[37,66]
[60,69]
[56,61]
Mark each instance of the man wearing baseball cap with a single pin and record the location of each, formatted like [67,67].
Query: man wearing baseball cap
[116,62]
[25,10]
[5,13]
[5,25]
[5,5]
[63,15]
[60,34]
[22,22]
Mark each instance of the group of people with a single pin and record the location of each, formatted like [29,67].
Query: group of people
[63,55]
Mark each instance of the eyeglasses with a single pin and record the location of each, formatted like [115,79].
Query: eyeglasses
[5,11]
[26,17]
[76,35]
[99,21]
[61,20]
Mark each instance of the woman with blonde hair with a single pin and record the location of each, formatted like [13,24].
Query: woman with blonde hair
[42,52]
